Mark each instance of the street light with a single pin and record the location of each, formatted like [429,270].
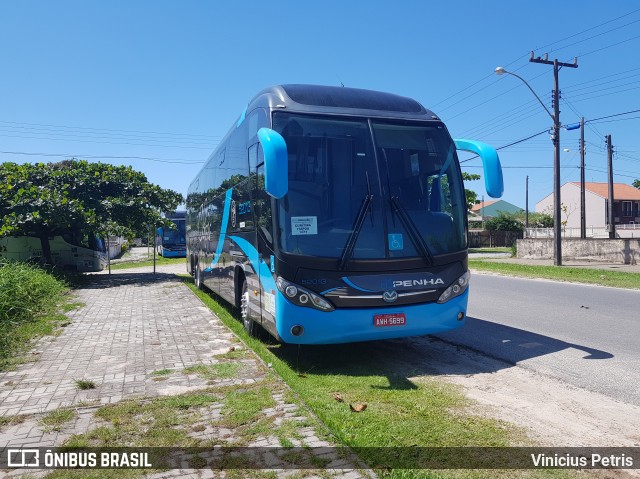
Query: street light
[502,71]
[555,117]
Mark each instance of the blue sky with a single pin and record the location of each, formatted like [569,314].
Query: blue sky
[161,82]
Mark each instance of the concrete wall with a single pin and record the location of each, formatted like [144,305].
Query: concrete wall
[619,251]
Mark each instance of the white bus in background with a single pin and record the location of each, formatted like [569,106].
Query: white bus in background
[64,255]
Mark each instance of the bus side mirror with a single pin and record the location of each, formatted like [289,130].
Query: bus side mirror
[276,162]
[490,162]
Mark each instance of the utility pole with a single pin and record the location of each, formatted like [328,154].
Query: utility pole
[155,238]
[526,207]
[557,243]
[612,220]
[583,207]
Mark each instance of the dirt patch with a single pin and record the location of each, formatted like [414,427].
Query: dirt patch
[552,413]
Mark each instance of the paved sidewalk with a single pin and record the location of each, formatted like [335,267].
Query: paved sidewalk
[133,338]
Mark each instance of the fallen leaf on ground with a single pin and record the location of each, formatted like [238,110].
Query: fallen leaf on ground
[357,407]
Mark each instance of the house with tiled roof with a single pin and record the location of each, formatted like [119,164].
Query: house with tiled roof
[626,204]
[492,208]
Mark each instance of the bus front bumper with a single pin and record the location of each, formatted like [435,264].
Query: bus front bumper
[353,325]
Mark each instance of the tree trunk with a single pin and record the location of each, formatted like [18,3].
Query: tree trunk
[46,247]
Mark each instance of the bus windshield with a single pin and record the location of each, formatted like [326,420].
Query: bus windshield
[369,189]
[174,235]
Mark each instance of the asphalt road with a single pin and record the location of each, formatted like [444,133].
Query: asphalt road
[587,336]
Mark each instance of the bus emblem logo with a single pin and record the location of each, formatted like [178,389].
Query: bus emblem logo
[390,296]
[233,213]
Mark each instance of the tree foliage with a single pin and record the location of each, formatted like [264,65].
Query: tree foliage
[471,196]
[539,220]
[636,183]
[505,222]
[79,199]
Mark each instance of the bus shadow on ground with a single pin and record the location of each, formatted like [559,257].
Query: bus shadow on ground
[102,281]
[513,344]
[400,360]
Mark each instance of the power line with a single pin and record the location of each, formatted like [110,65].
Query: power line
[609,46]
[573,167]
[616,173]
[106,157]
[588,30]
[612,116]
[204,137]
[573,87]
[581,95]
[486,101]
[511,144]
[47,134]
[591,127]
[506,119]
[108,142]
[621,119]
[542,48]
[595,36]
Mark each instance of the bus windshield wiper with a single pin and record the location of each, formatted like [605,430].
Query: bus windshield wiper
[365,206]
[416,238]
[405,219]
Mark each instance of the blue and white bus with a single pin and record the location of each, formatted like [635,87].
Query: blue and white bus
[171,242]
[66,253]
[334,215]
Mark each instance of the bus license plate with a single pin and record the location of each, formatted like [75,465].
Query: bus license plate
[393,319]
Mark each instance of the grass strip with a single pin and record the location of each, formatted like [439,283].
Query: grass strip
[400,412]
[498,249]
[602,277]
[160,261]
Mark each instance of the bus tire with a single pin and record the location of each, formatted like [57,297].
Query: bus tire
[197,277]
[249,324]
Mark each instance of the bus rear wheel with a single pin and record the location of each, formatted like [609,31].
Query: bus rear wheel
[197,276]
[249,324]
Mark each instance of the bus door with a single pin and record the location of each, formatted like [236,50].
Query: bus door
[265,302]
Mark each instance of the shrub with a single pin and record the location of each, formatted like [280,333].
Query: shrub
[26,291]
[504,222]
[27,294]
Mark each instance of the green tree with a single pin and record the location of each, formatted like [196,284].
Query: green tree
[636,183]
[505,222]
[79,199]
[537,220]
[472,196]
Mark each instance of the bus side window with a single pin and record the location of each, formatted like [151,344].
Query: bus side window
[261,200]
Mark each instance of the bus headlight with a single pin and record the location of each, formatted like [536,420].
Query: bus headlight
[302,297]
[456,289]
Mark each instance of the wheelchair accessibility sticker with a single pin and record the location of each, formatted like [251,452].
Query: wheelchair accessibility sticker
[396,242]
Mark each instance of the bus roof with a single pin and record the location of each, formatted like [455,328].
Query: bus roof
[342,100]
[331,100]
[176,215]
